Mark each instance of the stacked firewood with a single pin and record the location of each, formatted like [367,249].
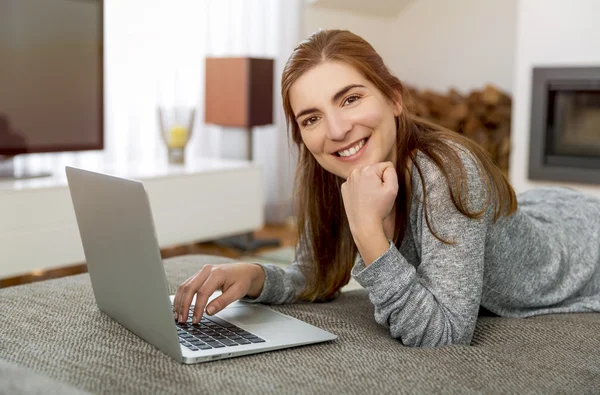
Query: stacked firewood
[482,115]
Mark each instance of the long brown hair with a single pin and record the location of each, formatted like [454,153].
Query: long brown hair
[326,246]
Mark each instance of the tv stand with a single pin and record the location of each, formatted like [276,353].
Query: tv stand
[8,172]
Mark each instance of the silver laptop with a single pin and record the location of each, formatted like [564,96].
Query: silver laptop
[125,267]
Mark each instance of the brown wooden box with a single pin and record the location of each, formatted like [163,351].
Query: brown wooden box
[239,91]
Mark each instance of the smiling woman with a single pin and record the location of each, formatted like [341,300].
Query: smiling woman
[417,214]
[341,95]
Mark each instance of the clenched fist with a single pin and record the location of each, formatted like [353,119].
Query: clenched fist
[369,195]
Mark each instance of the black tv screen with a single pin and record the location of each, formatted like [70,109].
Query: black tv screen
[51,76]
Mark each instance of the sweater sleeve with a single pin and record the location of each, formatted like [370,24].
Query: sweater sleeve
[435,303]
[282,284]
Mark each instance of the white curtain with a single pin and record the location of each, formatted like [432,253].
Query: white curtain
[154,56]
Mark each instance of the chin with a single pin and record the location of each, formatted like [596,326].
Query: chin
[342,173]
[339,173]
[344,170]
[345,173]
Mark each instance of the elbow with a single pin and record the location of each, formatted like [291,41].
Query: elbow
[431,341]
[432,335]
[428,343]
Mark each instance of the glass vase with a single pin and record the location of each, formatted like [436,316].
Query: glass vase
[176,125]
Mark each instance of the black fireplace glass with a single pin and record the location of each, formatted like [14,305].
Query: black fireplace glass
[565,125]
[574,123]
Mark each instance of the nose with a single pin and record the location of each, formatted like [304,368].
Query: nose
[337,127]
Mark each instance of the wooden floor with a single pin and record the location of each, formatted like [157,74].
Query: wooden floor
[284,233]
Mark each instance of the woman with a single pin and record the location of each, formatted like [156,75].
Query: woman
[435,224]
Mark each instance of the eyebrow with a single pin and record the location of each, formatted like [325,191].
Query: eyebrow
[335,98]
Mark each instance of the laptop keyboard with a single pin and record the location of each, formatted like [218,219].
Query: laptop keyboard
[213,333]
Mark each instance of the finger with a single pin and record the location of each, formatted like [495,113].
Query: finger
[177,298]
[232,294]
[188,290]
[381,167]
[390,178]
[179,294]
[212,283]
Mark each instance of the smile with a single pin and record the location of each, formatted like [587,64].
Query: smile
[351,152]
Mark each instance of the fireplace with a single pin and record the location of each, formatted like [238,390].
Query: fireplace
[565,125]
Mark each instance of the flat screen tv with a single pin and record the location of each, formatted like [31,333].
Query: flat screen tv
[51,76]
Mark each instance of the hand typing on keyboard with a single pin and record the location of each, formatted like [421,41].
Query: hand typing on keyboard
[214,333]
[235,280]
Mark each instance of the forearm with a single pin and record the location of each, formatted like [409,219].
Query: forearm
[371,242]
[410,310]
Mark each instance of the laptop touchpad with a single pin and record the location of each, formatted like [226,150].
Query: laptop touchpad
[250,315]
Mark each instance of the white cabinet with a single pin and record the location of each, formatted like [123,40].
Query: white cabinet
[203,200]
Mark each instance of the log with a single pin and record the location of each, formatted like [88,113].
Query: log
[481,115]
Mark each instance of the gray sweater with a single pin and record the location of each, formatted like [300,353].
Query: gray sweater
[543,259]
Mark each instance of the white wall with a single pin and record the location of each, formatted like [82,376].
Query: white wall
[372,28]
[549,33]
[438,44]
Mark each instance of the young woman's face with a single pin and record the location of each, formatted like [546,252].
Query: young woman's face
[344,120]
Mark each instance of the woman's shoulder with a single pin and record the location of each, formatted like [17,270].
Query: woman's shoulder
[433,173]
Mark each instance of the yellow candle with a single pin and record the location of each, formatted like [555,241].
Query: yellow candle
[177,137]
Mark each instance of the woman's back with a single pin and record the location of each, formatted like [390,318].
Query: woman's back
[546,257]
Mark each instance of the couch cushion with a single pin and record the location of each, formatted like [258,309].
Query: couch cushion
[19,380]
[55,328]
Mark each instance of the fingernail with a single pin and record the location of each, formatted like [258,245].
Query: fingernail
[175,316]
[180,317]
[210,310]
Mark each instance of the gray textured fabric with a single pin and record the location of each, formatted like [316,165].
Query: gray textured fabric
[54,328]
[16,380]
[543,259]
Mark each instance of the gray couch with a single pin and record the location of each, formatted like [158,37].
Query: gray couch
[52,337]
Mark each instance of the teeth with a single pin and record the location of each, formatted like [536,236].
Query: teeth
[353,150]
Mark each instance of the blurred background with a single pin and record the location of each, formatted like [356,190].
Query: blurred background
[126,88]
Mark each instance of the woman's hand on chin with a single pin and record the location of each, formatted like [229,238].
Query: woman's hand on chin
[369,195]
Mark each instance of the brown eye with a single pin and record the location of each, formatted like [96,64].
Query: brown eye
[310,120]
[351,99]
